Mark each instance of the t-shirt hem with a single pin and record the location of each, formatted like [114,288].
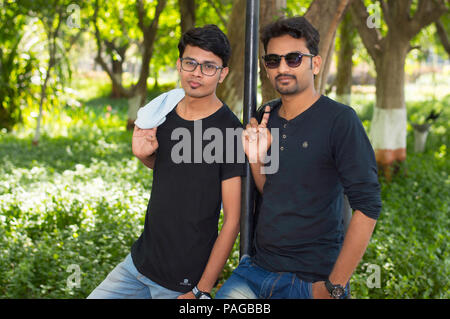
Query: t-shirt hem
[162,283]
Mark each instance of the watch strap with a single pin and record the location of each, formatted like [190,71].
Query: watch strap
[336,291]
[200,294]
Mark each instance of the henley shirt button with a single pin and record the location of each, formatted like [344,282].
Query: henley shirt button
[284,125]
[284,135]
[282,148]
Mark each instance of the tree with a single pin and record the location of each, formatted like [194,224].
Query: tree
[147,27]
[403,21]
[232,89]
[56,21]
[443,32]
[269,12]
[115,34]
[52,18]
[326,19]
[16,67]
[343,80]
[187,14]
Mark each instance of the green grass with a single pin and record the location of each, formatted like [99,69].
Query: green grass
[80,197]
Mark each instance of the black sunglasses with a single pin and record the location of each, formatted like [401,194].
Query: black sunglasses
[293,59]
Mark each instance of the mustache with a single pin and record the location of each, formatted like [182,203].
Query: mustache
[285,75]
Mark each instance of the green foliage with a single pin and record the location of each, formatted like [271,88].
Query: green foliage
[297,8]
[79,199]
[412,234]
[16,66]
[411,237]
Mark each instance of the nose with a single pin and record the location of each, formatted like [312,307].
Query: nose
[198,71]
[283,67]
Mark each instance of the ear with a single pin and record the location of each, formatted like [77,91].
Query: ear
[223,74]
[179,65]
[317,63]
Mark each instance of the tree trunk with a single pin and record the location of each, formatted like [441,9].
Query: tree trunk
[388,128]
[443,35]
[52,35]
[231,91]
[149,31]
[326,20]
[37,133]
[269,11]
[326,65]
[117,72]
[187,14]
[345,61]
[134,103]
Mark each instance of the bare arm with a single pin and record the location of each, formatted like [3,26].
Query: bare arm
[231,198]
[258,177]
[355,243]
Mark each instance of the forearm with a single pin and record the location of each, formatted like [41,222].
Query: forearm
[148,161]
[258,177]
[219,255]
[355,243]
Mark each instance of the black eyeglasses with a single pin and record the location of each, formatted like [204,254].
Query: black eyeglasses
[293,59]
[208,69]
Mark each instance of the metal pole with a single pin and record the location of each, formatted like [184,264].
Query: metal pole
[249,109]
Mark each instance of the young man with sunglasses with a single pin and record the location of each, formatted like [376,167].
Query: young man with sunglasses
[324,153]
[180,253]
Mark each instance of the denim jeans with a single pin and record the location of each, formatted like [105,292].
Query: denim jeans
[249,281]
[125,282]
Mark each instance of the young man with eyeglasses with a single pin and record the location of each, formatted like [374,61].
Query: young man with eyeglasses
[180,253]
[299,245]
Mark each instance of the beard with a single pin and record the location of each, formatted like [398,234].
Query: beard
[293,88]
[290,89]
[287,90]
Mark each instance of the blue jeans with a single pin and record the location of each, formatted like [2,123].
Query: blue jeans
[125,282]
[249,281]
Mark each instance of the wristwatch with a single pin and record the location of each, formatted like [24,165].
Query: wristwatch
[200,294]
[336,291]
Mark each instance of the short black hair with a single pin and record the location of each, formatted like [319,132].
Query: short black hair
[296,27]
[209,38]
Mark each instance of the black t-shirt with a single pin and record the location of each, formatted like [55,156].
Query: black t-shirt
[323,153]
[181,223]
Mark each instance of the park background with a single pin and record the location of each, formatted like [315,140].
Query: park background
[73,74]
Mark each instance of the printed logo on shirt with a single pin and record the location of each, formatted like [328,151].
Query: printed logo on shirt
[185,282]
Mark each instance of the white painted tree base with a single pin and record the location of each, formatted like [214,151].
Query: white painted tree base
[388,129]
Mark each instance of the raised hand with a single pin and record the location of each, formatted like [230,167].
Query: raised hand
[144,142]
[257,139]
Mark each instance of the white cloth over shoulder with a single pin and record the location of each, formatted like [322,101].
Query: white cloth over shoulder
[154,113]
